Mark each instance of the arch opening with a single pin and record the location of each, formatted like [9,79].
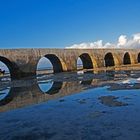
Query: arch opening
[109,60]
[44,66]
[48,64]
[5,69]
[79,64]
[126,59]
[5,77]
[84,61]
[138,58]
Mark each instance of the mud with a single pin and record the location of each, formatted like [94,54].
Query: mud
[111,101]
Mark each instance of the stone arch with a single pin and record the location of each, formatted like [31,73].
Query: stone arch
[11,66]
[109,60]
[57,63]
[138,58]
[126,58]
[87,61]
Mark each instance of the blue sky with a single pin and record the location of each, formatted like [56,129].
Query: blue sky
[61,23]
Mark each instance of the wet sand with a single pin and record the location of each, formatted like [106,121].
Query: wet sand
[77,106]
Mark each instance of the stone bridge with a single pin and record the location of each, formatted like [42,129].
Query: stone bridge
[22,63]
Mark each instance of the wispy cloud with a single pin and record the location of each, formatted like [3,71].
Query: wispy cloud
[123,42]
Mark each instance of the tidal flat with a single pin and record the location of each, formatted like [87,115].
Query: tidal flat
[72,106]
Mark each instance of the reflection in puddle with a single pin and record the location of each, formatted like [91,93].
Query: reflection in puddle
[47,88]
[131,81]
[4,93]
[81,72]
[50,87]
[110,73]
[86,82]
[45,85]
[55,88]
[4,86]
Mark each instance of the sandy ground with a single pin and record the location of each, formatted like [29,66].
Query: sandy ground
[101,105]
[92,114]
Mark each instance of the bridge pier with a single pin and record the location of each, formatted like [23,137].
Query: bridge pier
[24,70]
[21,63]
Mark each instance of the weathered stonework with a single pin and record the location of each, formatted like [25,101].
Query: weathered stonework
[23,62]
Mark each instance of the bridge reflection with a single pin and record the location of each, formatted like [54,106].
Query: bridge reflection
[24,96]
[50,88]
[43,91]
